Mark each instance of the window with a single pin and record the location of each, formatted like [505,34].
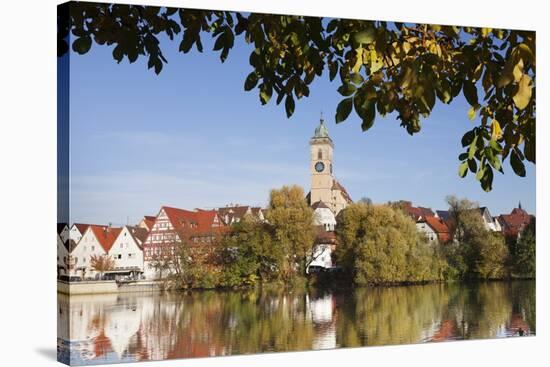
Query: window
[76,260]
[320,154]
[119,256]
[93,248]
[121,245]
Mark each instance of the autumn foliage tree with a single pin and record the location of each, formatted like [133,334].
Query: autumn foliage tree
[379,244]
[102,263]
[291,219]
[382,67]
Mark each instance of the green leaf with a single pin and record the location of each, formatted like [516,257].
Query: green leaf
[289,106]
[343,110]
[517,164]
[472,165]
[463,169]
[265,93]
[523,95]
[82,45]
[368,116]
[487,179]
[251,81]
[468,138]
[356,78]
[347,89]
[470,92]
[472,149]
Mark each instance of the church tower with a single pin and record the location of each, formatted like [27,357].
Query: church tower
[324,187]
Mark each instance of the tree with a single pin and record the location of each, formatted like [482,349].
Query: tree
[250,254]
[102,263]
[292,221]
[379,244]
[523,252]
[481,254]
[383,67]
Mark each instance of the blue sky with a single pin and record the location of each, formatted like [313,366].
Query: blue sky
[192,137]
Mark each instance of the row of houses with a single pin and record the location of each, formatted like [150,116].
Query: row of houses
[139,251]
[437,226]
[136,250]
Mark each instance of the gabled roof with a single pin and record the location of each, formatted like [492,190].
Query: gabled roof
[417,212]
[337,186]
[439,226]
[106,236]
[515,222]
[82,227]
[149,221]
[443,214]
[139,234]
[232,213]
[194,222]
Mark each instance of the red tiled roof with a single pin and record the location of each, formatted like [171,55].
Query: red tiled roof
[194,222]
[513,223]
[230,213]
[82,227]
[322,236]
[105,235]
[149,221]
[440,228]
[417,212]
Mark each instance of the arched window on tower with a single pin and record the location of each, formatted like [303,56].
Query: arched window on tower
[320,154]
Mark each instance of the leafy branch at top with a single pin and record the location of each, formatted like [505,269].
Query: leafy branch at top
[382,67]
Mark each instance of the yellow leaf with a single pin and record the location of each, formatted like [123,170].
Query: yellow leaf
[523,95]
[359,60]
[472,113]
[496,131]
[518,71]
[406,47]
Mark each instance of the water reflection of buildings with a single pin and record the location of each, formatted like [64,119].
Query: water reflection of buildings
[323,317]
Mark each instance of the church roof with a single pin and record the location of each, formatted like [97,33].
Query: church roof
[337,186]
[321,131]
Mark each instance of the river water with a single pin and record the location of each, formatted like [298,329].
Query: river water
[112,328]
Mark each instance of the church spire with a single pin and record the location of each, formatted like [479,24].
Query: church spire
[321,131]
[519,205]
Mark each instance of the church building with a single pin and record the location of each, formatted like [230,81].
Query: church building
[324,186]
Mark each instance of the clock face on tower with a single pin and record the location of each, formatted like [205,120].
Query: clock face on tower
[319,166]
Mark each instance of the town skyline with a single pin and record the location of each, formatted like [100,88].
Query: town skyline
[223,147]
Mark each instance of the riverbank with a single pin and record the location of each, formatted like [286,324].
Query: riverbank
[108,286]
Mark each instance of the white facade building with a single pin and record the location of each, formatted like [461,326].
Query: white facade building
[96,240]
[127,250]
[325,223]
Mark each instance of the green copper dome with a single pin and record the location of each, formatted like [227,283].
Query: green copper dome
[321,131]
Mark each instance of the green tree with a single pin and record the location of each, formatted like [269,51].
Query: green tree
[378,244]
[292,221]
[523,252]
[382,67]
[249,253]
[482,254]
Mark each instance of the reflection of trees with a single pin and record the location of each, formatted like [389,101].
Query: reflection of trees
[380,316]
[206,323]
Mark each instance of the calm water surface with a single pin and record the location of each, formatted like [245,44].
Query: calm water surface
[145,326]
